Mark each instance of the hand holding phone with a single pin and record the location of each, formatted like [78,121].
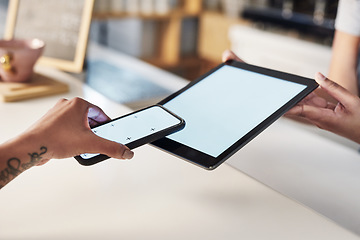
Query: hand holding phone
[135,129]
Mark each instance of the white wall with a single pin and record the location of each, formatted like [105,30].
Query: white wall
[279,52]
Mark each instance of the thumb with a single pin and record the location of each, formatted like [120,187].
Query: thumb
[109,148]
[335,90]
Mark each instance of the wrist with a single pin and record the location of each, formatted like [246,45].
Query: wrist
[34,146]
[20,154]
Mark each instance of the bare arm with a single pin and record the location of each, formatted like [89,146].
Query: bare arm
[18,155]
[64,131]
[344,61]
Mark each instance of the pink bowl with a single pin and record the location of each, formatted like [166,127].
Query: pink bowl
[18,57]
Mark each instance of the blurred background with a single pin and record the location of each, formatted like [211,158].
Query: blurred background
[131,42]
[187,37]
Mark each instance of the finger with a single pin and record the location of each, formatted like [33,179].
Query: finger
[112,149]
[97,114]
[319,116]
[318,102]
[93,123]
[294,111]
[342,95]
[83,106]
[229,55]
[311,99]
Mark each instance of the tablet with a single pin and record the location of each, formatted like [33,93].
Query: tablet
[227,107]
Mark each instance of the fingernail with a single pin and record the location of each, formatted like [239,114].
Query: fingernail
[128,154]
[320,77]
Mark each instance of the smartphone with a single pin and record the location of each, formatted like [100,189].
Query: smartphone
[135,129]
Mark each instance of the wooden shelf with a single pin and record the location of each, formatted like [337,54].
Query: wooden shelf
[185,61]
[154,16]
[169,29]
[213,34]
[190,67]
[186,8]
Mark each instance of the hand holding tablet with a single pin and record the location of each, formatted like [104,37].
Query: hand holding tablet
[227,107]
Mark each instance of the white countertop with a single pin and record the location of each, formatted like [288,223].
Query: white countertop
[153,196]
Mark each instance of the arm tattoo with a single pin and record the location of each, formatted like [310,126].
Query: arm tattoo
[15,167]
[34,158]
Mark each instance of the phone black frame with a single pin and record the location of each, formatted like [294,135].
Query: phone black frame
[139,142]
[209,162]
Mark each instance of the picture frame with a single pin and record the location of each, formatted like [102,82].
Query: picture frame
[63,26]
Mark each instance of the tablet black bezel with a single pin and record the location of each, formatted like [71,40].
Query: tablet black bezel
[209,162]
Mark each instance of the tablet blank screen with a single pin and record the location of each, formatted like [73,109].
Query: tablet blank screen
[225,106]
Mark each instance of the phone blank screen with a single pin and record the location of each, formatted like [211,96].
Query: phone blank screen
[135,126]
[227,105]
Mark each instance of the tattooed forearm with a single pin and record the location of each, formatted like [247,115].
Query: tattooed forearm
[15,167]
[34,158]
[12,170]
